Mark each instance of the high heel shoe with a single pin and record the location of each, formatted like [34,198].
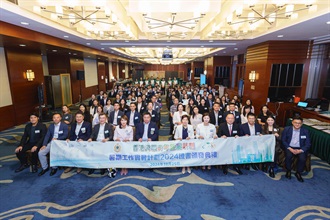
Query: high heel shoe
[188,170]
[271,172]
[183,170]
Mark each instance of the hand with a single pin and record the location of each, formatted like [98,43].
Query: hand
[224,136]
[188,138]
[89,140]
[201,137]
[79,140]
[236,136]
[42,148]
[276,135]
[247,135]
[215,137]
[18,149]
[34,148]
[149,139]
[140,139]
[180,139]
[67,140]
[117,139]
[54,139]
[105,140]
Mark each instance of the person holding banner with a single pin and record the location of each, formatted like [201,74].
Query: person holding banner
[147,130]
[184,131]
[205,130]
[229,129]
[80,131]
[102,132]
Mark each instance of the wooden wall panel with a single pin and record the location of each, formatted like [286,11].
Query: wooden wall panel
[114,70]
[24,92]
[121,67]
[58,64]
[8,118]
[101,73]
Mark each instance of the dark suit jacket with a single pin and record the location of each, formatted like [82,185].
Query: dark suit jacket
[137,117]
[84,133]
[223,130]
[154,116]
[108,131]
[63,133]
[237,117]
[142,109]
[102,101]
[112,115]
[305,141]
[220,117]
[244,129]
[152,131]
[40,132]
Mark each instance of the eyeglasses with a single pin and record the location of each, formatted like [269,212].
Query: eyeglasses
[297,123]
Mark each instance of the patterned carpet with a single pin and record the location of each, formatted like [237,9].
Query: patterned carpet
[161,194]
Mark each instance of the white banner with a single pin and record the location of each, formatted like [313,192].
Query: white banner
[253,149]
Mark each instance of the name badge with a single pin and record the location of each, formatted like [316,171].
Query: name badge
[83,130]
[152,129]
[275,129]
[106,131]
[136,117]
[234,132]
[60,132]
[152,115]
[37,131]
[220,116]
[119,116]
[211,130]
[303,137]
[258,133]
[237,116]
[157,106]
[66,117]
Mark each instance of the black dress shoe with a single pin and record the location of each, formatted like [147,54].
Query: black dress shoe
[22,167]
[34,168]
[299,178]
[43,172]
[255,167]
[238,170]
[271,172]
[53,172]
[264,168]
[225,170]
[102,172]
[288,174]
[247,167]
[91,171]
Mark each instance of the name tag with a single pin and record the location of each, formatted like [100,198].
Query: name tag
[257,132]
[60,132]
[211,130]
[303,137]
[106,131]
[37,131]
[66,117]
[237,116]
[152,129]
[275,129]
[220,116]
[152,115]
[234,132]
[136,117]
[119,116]
[157,106]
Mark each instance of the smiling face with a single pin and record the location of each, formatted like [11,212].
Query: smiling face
[34,119]
[297,123]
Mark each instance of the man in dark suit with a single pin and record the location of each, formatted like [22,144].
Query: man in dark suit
[90,102]
[147,130]
[296,141]
[32,139]
[153,113]
[80,131]
[235,113]
[104,99]
[250,129]
[56,131]
[140,105]
[216,117]
[102,132]
[210,101]
[115,115]
[133,116]
[229,129]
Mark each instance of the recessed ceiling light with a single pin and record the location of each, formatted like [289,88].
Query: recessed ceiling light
[168,41]
[69,53]
[54,50]
[126,41]
[216,54]
[102,48]
[133,46]
[88,56]
[210,41]
[22,45]
[224,52]
[328,22]
[75,54]
[66,36]
[202,46]
[24,23]
[280,35]
[88,43]
[235,48]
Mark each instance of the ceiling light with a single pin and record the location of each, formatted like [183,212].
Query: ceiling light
[24,23]
[280,35]
[102,48]
[224,52]
[22,45]
[54,50]
[235,48]
[210,41]
[202,46]
[126,41]
[88,43]
[66,36]
[328,22]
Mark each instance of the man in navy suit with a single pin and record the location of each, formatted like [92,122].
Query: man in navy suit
[133,116]
[115,115]
[153,113]
[147,130]
[229,129]
[216,117]
[80,131]
[296,141]
[103,100]
[235,113]
[56,131]
[250,129]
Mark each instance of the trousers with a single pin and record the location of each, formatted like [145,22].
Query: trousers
[22,154]
[43,157]
[300,163]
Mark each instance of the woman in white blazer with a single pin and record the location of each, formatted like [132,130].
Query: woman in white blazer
[177,115]
[184,131]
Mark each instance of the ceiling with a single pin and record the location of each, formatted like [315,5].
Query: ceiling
[141,30]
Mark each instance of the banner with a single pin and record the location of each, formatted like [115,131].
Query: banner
[253,149]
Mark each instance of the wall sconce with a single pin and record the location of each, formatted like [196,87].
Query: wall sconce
[123,71]
[253,76]
[205,72]
[30,75]
[191,72]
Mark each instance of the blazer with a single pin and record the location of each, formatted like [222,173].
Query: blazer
[223,130]
[40,132]
[154,116]
[137,117]
[177,117]
[203,109]
[63,133]
[157,107]
[220,118]
[101,101]
[142,109]
[178,132]
[112,115]
[304,141]
[152,131]
[244,129]
[237,117]
[84,133]
[108,131]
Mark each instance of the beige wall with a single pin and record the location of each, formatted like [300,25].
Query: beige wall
[5,94]
[90,68]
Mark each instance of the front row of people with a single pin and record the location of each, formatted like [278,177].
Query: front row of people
[36,138]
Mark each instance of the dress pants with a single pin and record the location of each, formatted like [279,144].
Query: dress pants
[22,154]
[300,163]
[43,157]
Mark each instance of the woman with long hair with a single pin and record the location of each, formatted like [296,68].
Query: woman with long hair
[263,115]
[83,109]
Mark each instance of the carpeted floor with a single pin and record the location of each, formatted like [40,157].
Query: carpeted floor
[162,194]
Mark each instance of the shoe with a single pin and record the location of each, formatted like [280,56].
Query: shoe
[238,170]
[264,168]
[288,174]
[91,171]
[225,170]
[141,170]
[208,167]
[247,167]
[112,172]
[53,171]
[34,168]
[102,172]
[22,167]
[271,172]
[188,170]
[43,171]
[203,169]
[79,170]
[299,178]
[255,167]
[183,170]
[67,170]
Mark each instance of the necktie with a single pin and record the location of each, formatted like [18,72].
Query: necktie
[230,129]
